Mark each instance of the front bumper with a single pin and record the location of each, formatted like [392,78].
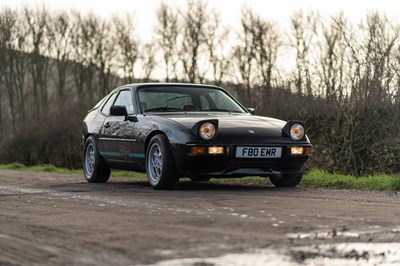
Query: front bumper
[227,165]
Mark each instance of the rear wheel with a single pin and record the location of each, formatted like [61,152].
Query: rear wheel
[160,166]
[286,180]
[94,167]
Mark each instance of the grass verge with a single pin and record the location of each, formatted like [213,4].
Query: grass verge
[378,182]
[313,178]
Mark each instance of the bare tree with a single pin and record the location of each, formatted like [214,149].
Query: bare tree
[36,21]
[60,29]
[193,27]
[148,61]
[12,75]
[167,39]
[333,58]
[7,30]
[256,55]
[244,53]
[127,45]
[304,31]
[84,70]
[266,42]
[217,38]
[104,55]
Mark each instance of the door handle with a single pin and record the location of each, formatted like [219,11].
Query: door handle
[107,125]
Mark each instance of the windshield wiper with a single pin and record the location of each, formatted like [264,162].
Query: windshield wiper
[163,109]
[222,110]
[176,98]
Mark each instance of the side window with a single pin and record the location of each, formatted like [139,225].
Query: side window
[125,99]
[106,108]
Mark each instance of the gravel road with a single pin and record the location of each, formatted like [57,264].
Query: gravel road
[59,219]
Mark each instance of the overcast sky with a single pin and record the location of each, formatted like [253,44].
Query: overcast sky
[279,10]
[230,11]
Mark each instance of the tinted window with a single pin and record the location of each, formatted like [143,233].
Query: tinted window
[106,108]
[125,99]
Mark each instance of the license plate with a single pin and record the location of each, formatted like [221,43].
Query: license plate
[258,152]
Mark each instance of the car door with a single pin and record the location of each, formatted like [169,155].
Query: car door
[117,131]
[104,113]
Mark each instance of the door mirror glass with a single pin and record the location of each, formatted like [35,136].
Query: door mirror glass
[118,110]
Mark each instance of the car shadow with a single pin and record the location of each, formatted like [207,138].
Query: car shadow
[188,185]
[142,185]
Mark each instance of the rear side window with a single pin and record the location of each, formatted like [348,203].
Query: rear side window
[100,103]
[106,108]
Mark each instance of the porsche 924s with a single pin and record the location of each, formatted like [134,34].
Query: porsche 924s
[171,131]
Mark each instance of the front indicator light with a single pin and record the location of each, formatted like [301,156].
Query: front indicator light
[197,150]
[308,151]
[215,150]
[296,150]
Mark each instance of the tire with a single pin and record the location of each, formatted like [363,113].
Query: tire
[286,180]
[94,166]
[160,165]
[200,178]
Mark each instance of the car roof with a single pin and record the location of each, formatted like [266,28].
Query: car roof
[160,84]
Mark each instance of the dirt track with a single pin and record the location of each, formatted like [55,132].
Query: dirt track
[56,219]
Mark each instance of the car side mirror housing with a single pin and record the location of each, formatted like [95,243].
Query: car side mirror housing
[251,110]
[118,110]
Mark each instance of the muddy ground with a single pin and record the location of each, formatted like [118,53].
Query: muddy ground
[59,219]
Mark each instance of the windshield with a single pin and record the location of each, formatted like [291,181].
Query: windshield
[184,99]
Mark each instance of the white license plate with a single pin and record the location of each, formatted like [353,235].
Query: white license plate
[258,152]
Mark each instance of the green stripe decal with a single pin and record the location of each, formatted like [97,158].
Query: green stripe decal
[136,155]
[110,153]
[118,154]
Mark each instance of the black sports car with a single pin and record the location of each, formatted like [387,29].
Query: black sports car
[171,131]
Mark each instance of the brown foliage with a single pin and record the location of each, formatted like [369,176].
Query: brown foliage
[53,139]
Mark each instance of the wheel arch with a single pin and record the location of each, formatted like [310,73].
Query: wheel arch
[151,135]
[87,136]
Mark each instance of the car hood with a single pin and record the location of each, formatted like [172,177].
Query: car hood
[234,124]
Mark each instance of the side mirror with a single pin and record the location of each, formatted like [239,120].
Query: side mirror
[251,110]
[118,110]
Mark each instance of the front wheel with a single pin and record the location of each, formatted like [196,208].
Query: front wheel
[160,166]
[94,167]
[286,180]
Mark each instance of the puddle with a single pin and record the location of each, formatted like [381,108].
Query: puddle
[343,233]
[262,257]
[323,235]
[339,246]
[355,247]
[348,254]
